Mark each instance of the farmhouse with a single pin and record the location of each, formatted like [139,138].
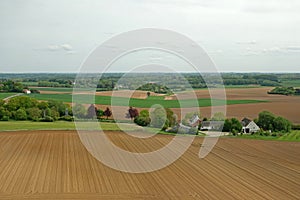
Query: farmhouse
[26,91]
[249,126]
[212,125]
[195,121]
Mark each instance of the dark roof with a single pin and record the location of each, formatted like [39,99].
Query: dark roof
[246,121]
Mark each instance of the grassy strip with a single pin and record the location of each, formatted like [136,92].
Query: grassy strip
[60,125]
[294,136]
[140,103]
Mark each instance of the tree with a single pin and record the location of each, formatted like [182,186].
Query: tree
[99,113]
[171,118]
[143,119]
[107,113]
[133,112]
[282,124]
[158,117]
[91,112]
[227,125]
[34,113]
[265,120]
[4,113]
[58,105]
[79,111]
[232,125]
[20,114]
[235,125]
[21,102]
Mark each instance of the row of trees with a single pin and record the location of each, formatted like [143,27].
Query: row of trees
[26,108]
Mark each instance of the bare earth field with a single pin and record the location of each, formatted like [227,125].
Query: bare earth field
[55,165]
[286,106]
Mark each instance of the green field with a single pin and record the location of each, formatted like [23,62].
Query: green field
[291,83]
[4,95]
[293,136]
[59,125]
[140,103]
[54,89]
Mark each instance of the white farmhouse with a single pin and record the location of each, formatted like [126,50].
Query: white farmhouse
[249,126]
[26,91]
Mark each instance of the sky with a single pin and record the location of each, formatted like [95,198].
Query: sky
[238,35]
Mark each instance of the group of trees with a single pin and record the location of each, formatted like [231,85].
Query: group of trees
[26,108]
[10,86]
[268,121]
[285,91]
[154,87]
[80,112]
[158,118]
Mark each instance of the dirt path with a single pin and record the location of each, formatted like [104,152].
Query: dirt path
[55,165]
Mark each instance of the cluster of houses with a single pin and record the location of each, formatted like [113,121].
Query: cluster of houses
[248,126]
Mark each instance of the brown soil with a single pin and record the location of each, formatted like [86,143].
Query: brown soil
[55,165]
[286,106]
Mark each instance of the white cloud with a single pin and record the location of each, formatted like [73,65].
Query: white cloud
[67,47]
[56,47]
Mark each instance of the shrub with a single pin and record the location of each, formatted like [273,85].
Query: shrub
[20,114]
[5,118]
[67,118]
[143,119]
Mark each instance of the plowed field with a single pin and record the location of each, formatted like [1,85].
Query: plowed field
[55,165]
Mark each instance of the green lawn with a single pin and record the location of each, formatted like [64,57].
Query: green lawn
[59,125]
[4,95]
[140,103]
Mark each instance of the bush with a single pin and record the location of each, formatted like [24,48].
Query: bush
[5,118]
[67,118]
[20,114]
[143,119]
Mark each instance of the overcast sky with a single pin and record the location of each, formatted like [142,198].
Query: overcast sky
[239,35]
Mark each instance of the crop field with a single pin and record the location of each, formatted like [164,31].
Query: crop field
[141,103]
[286,106]
[55,165]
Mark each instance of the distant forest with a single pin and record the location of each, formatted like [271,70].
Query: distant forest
[179,82]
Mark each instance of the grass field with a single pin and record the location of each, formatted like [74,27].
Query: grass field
[4,95]
[140,103]
[59,125]
[294,136]
[291,83]
[54,89]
